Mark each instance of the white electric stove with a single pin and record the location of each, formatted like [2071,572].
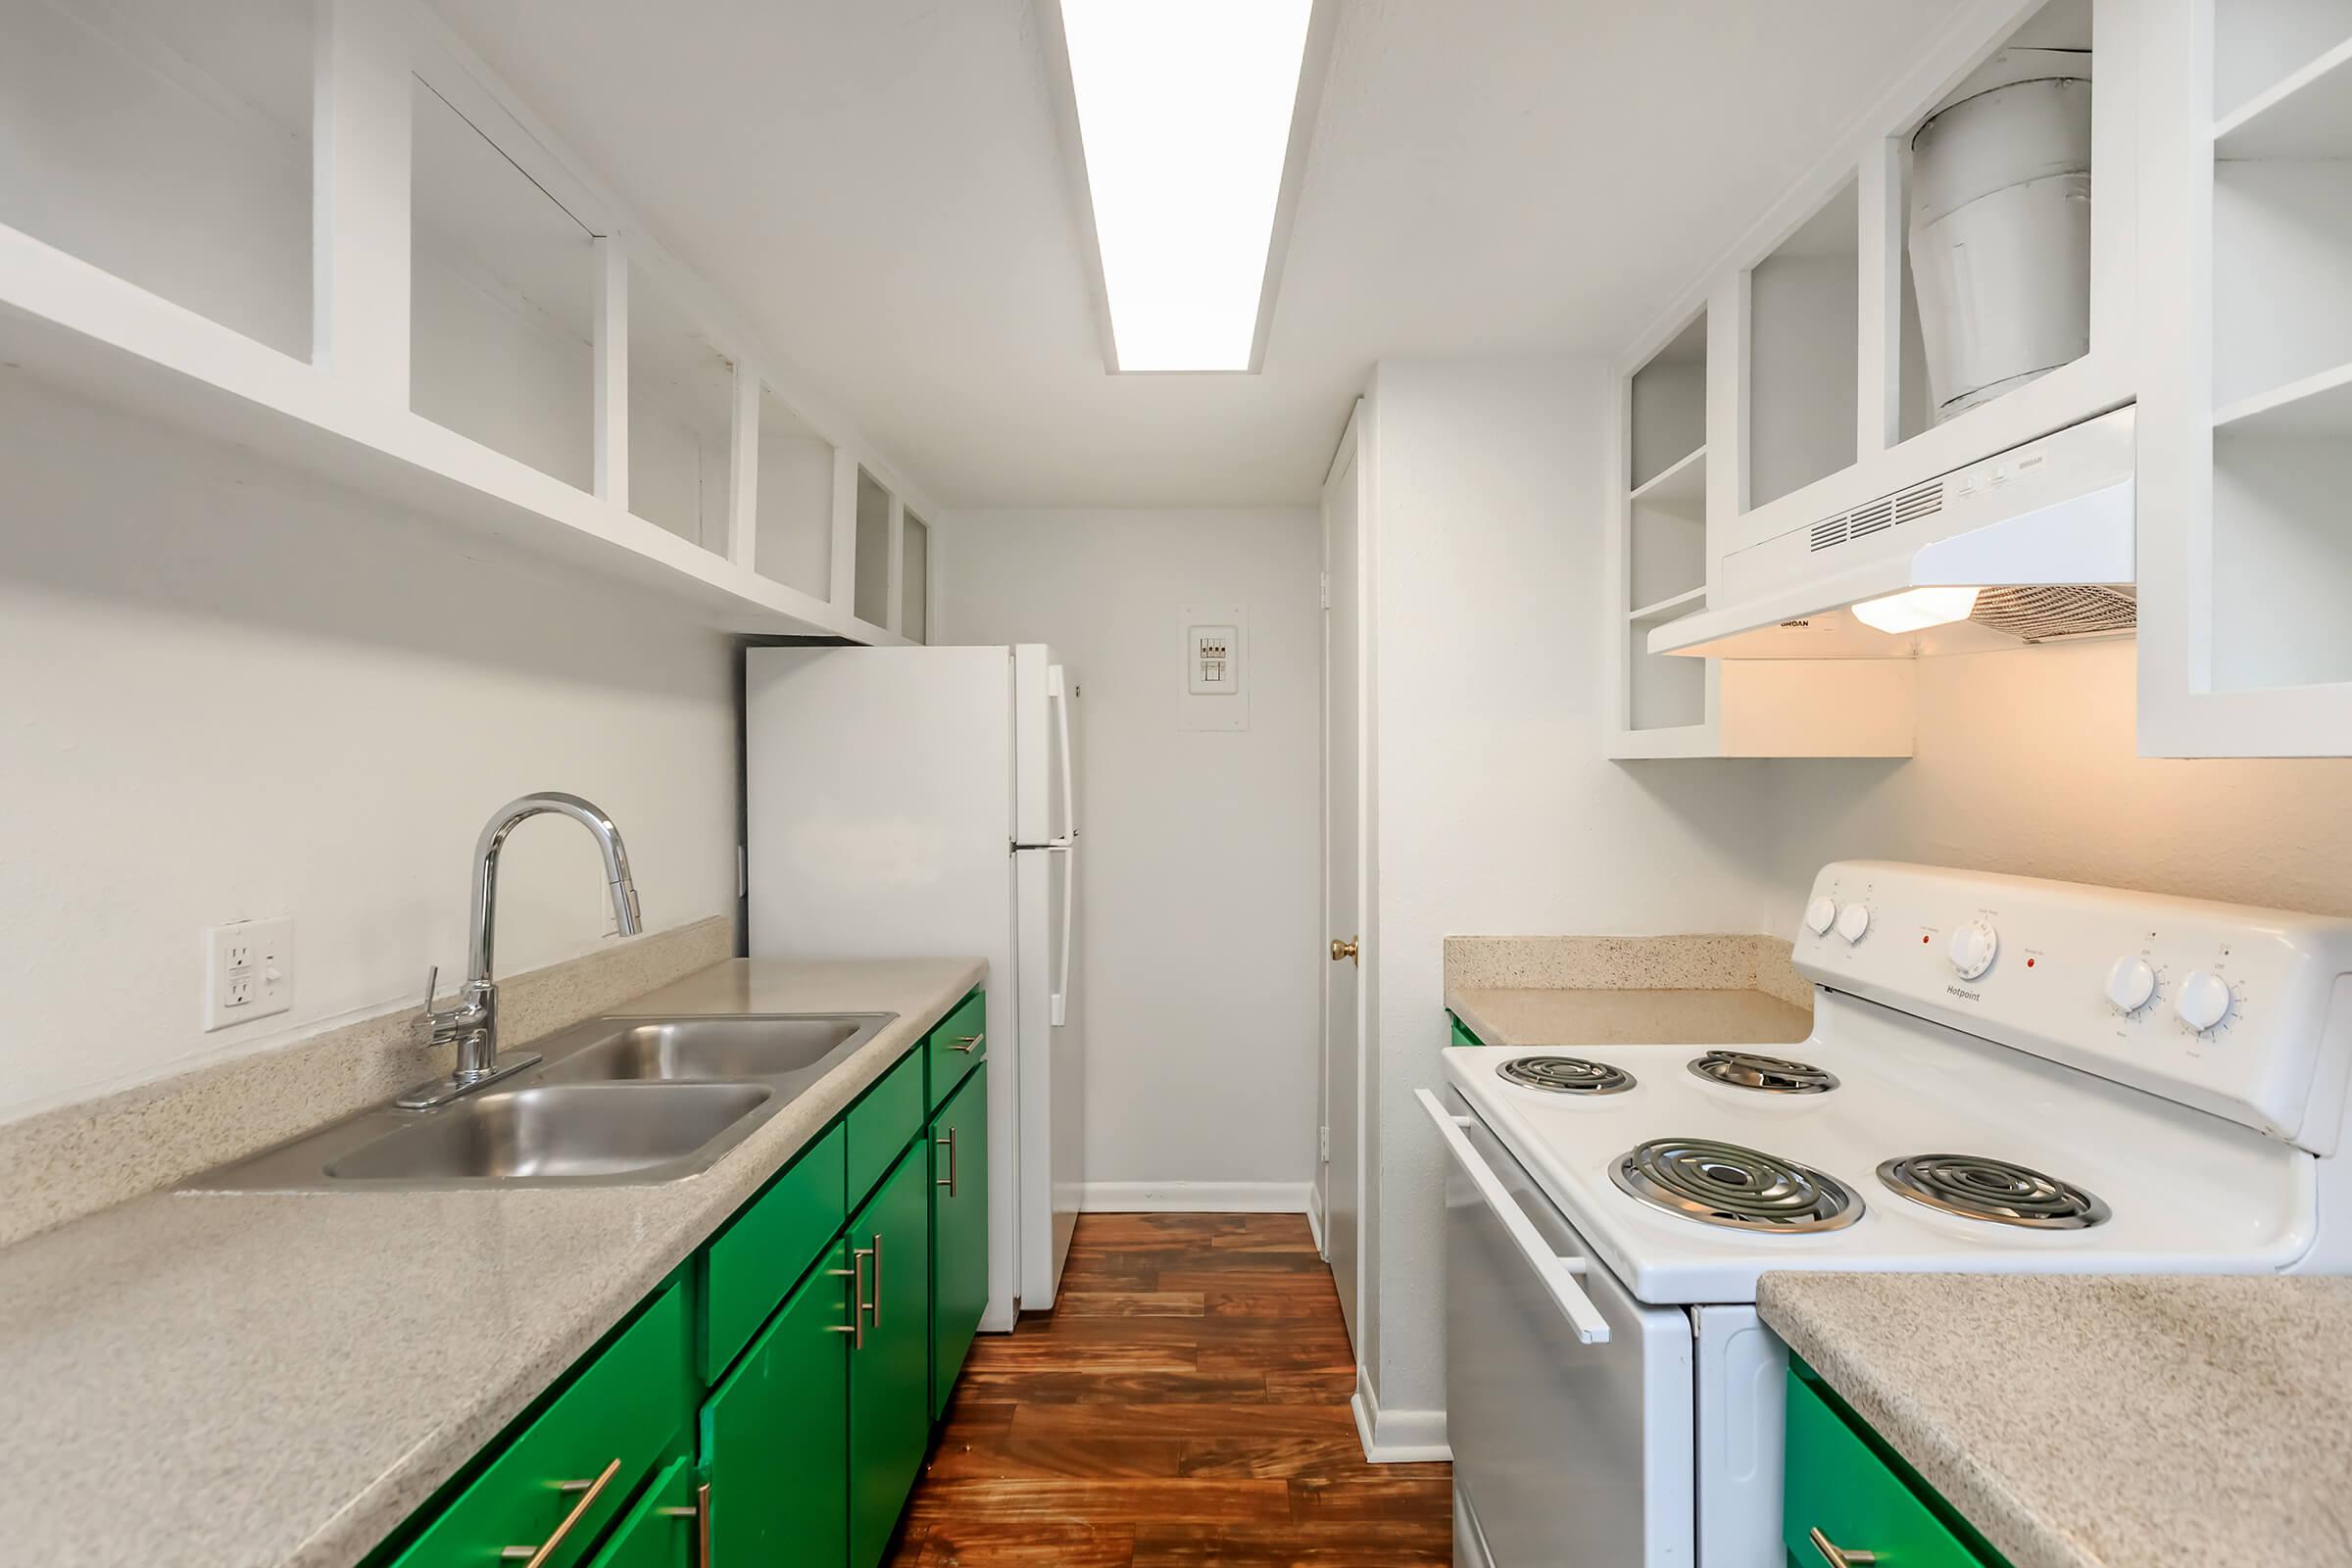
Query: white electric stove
[2004,1075]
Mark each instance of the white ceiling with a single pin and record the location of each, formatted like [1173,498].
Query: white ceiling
[879,185]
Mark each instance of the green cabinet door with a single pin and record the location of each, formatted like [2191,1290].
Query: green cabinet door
[565,1477]
[889,1364]
[1839,1497]
[660,1531]
[959,1231]
[776,1437]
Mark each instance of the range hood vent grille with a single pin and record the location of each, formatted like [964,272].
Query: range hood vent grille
[1877,517]
[2051,614]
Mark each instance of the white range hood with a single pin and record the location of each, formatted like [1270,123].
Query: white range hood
[2044,532]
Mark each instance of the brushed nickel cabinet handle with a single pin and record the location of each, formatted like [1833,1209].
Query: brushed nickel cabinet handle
[534,1557]
[855,1275]
[968,1044]
[949,1143]
[875,1305]
[700,1513]
[1836,1556]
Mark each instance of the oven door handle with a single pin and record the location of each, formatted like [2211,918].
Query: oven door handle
[1558,1274]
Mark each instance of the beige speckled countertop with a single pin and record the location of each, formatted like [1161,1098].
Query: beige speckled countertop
[2102,1421]
[1703,990]
[1612,1017]
[268,1379]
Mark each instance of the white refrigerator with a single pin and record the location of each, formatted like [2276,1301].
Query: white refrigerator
[918,802]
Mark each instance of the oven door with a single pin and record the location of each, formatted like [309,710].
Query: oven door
[1568,1403]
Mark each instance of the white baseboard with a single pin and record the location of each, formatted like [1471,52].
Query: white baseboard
[1396,1437]
[1315,1219]
[1196,1197]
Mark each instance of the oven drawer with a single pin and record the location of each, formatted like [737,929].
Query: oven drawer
[1569,1403]
[1842,1501]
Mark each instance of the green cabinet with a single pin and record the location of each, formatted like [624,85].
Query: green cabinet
[1842,1497]
[956,1045]
[569,1473]
[881,1125]
[660,1531]
[959,1231]
[747,1271]
[890,1360]
[776,1433]
[1461,1033]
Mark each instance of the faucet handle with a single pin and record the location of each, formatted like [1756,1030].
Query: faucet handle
[432,982]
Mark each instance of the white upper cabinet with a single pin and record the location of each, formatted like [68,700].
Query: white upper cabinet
[1959,277]
[323,232]
[1845,390]
[2245,455]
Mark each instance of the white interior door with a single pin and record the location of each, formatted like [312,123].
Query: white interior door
[1341,1175]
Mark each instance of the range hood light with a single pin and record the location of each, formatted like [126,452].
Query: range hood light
[1917,609]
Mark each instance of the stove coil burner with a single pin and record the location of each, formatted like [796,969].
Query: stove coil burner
[1770,1076]
[1566,1075]
[1744,1189]
[1994,1190]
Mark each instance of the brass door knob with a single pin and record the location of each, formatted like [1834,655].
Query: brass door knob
[1342,949]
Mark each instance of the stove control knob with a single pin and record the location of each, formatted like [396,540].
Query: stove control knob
[2130,984]
[1972,948]
[1819,915]
[1852,921]
[2204,1001]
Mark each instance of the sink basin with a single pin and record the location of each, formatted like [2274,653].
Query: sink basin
[555,1132]
[766,1047]
[617,1100]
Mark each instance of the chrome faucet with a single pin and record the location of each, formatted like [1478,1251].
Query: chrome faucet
[473,1024]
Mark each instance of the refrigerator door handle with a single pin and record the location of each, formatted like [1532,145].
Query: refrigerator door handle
[1058,693]
[1069,917]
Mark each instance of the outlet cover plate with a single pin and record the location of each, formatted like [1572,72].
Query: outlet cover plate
[247,971]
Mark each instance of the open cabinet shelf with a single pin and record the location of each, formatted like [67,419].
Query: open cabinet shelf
[2318,406]
[2246,427]
[2309,115]
[1669,608]
[424,301]
[1683,485]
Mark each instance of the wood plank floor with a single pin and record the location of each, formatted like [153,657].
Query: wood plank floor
[1185,1403]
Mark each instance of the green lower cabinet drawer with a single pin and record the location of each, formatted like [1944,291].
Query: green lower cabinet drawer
[957,1045]
[748,1269]
[775,1434]
[660,1530]
[959,1231]
[1836,1485]
[889,1364]
[882,1124]
[603,1434]
[1463,1035]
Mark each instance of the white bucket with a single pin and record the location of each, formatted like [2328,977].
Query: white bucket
[2000,226]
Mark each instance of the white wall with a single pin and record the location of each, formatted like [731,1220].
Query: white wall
[234,692]
[1201,873]
[1496,811]
[2027,763]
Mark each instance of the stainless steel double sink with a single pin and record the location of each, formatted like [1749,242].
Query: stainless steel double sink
[616,1101]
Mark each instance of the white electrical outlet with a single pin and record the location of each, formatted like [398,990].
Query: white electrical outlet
[247,971]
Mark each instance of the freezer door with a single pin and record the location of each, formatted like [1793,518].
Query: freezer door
[1041,766]
[1568,1402]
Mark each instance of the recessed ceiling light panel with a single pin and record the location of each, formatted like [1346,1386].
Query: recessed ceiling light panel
[1184,112]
